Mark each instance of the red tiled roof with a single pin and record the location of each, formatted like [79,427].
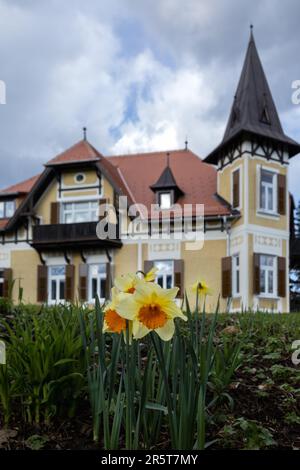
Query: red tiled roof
[3,223]
[197,179]
[134,174]
[80,152]
[23,187]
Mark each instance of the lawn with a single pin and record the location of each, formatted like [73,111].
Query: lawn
[222,381]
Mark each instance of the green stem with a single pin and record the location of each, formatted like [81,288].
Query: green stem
[160,356]
[128,393]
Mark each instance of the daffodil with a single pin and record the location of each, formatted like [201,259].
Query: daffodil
[113,322]
[151,275]
[127,282]
[151,308]
[202,288]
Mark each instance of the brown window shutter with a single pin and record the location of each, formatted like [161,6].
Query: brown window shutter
[83,282]
[42,283]
[281,264]
[226,277]
[7,282]
[236,188]
[55,213]
[256,274]
[281,192]
[148,265]
[179,277]
[70,282]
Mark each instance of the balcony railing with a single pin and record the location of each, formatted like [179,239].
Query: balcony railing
[77,234]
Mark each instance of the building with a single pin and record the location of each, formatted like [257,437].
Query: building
[49,246]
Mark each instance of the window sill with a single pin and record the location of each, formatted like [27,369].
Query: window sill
[266,214]
[268,297]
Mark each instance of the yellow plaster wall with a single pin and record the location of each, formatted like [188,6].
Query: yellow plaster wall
[81,193]
[126,259]
[225,184]
[68,178]
[108,190]
[205,265]
[268,305]
[24,265]
[43,207]
[236,303]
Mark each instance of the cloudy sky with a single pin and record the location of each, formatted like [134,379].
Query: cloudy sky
[140,74]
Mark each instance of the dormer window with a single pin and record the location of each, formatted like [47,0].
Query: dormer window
[265,117]
[165,200]
[166,190]
[7,209]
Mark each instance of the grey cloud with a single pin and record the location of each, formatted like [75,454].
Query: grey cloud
[46,52]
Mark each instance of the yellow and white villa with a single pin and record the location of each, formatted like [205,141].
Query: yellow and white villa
[48,224]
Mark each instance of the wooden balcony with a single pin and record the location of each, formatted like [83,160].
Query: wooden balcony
[69,236]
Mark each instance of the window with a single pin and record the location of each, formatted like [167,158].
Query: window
[7,209]
[267,191]
[165,274]
[236,188]
[165,200]
[76,212]
[1,282]
[79,178]
[97,279]
[236,275]
[267,275]
[57,279]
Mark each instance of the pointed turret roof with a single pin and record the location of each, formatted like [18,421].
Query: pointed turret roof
[253,110]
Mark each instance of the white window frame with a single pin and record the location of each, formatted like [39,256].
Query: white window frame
[236,271]
[74,210]
[162,193]
[264,210]
[238,168]
[57,278]
[3,204]
[267,269]
[99,277]
[164,274]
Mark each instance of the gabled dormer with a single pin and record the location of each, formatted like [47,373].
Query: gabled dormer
[166,190]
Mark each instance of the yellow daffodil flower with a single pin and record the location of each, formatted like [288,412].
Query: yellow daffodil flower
[151,275]
[202,288]
[127,282]
[113,322]
[151,308]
